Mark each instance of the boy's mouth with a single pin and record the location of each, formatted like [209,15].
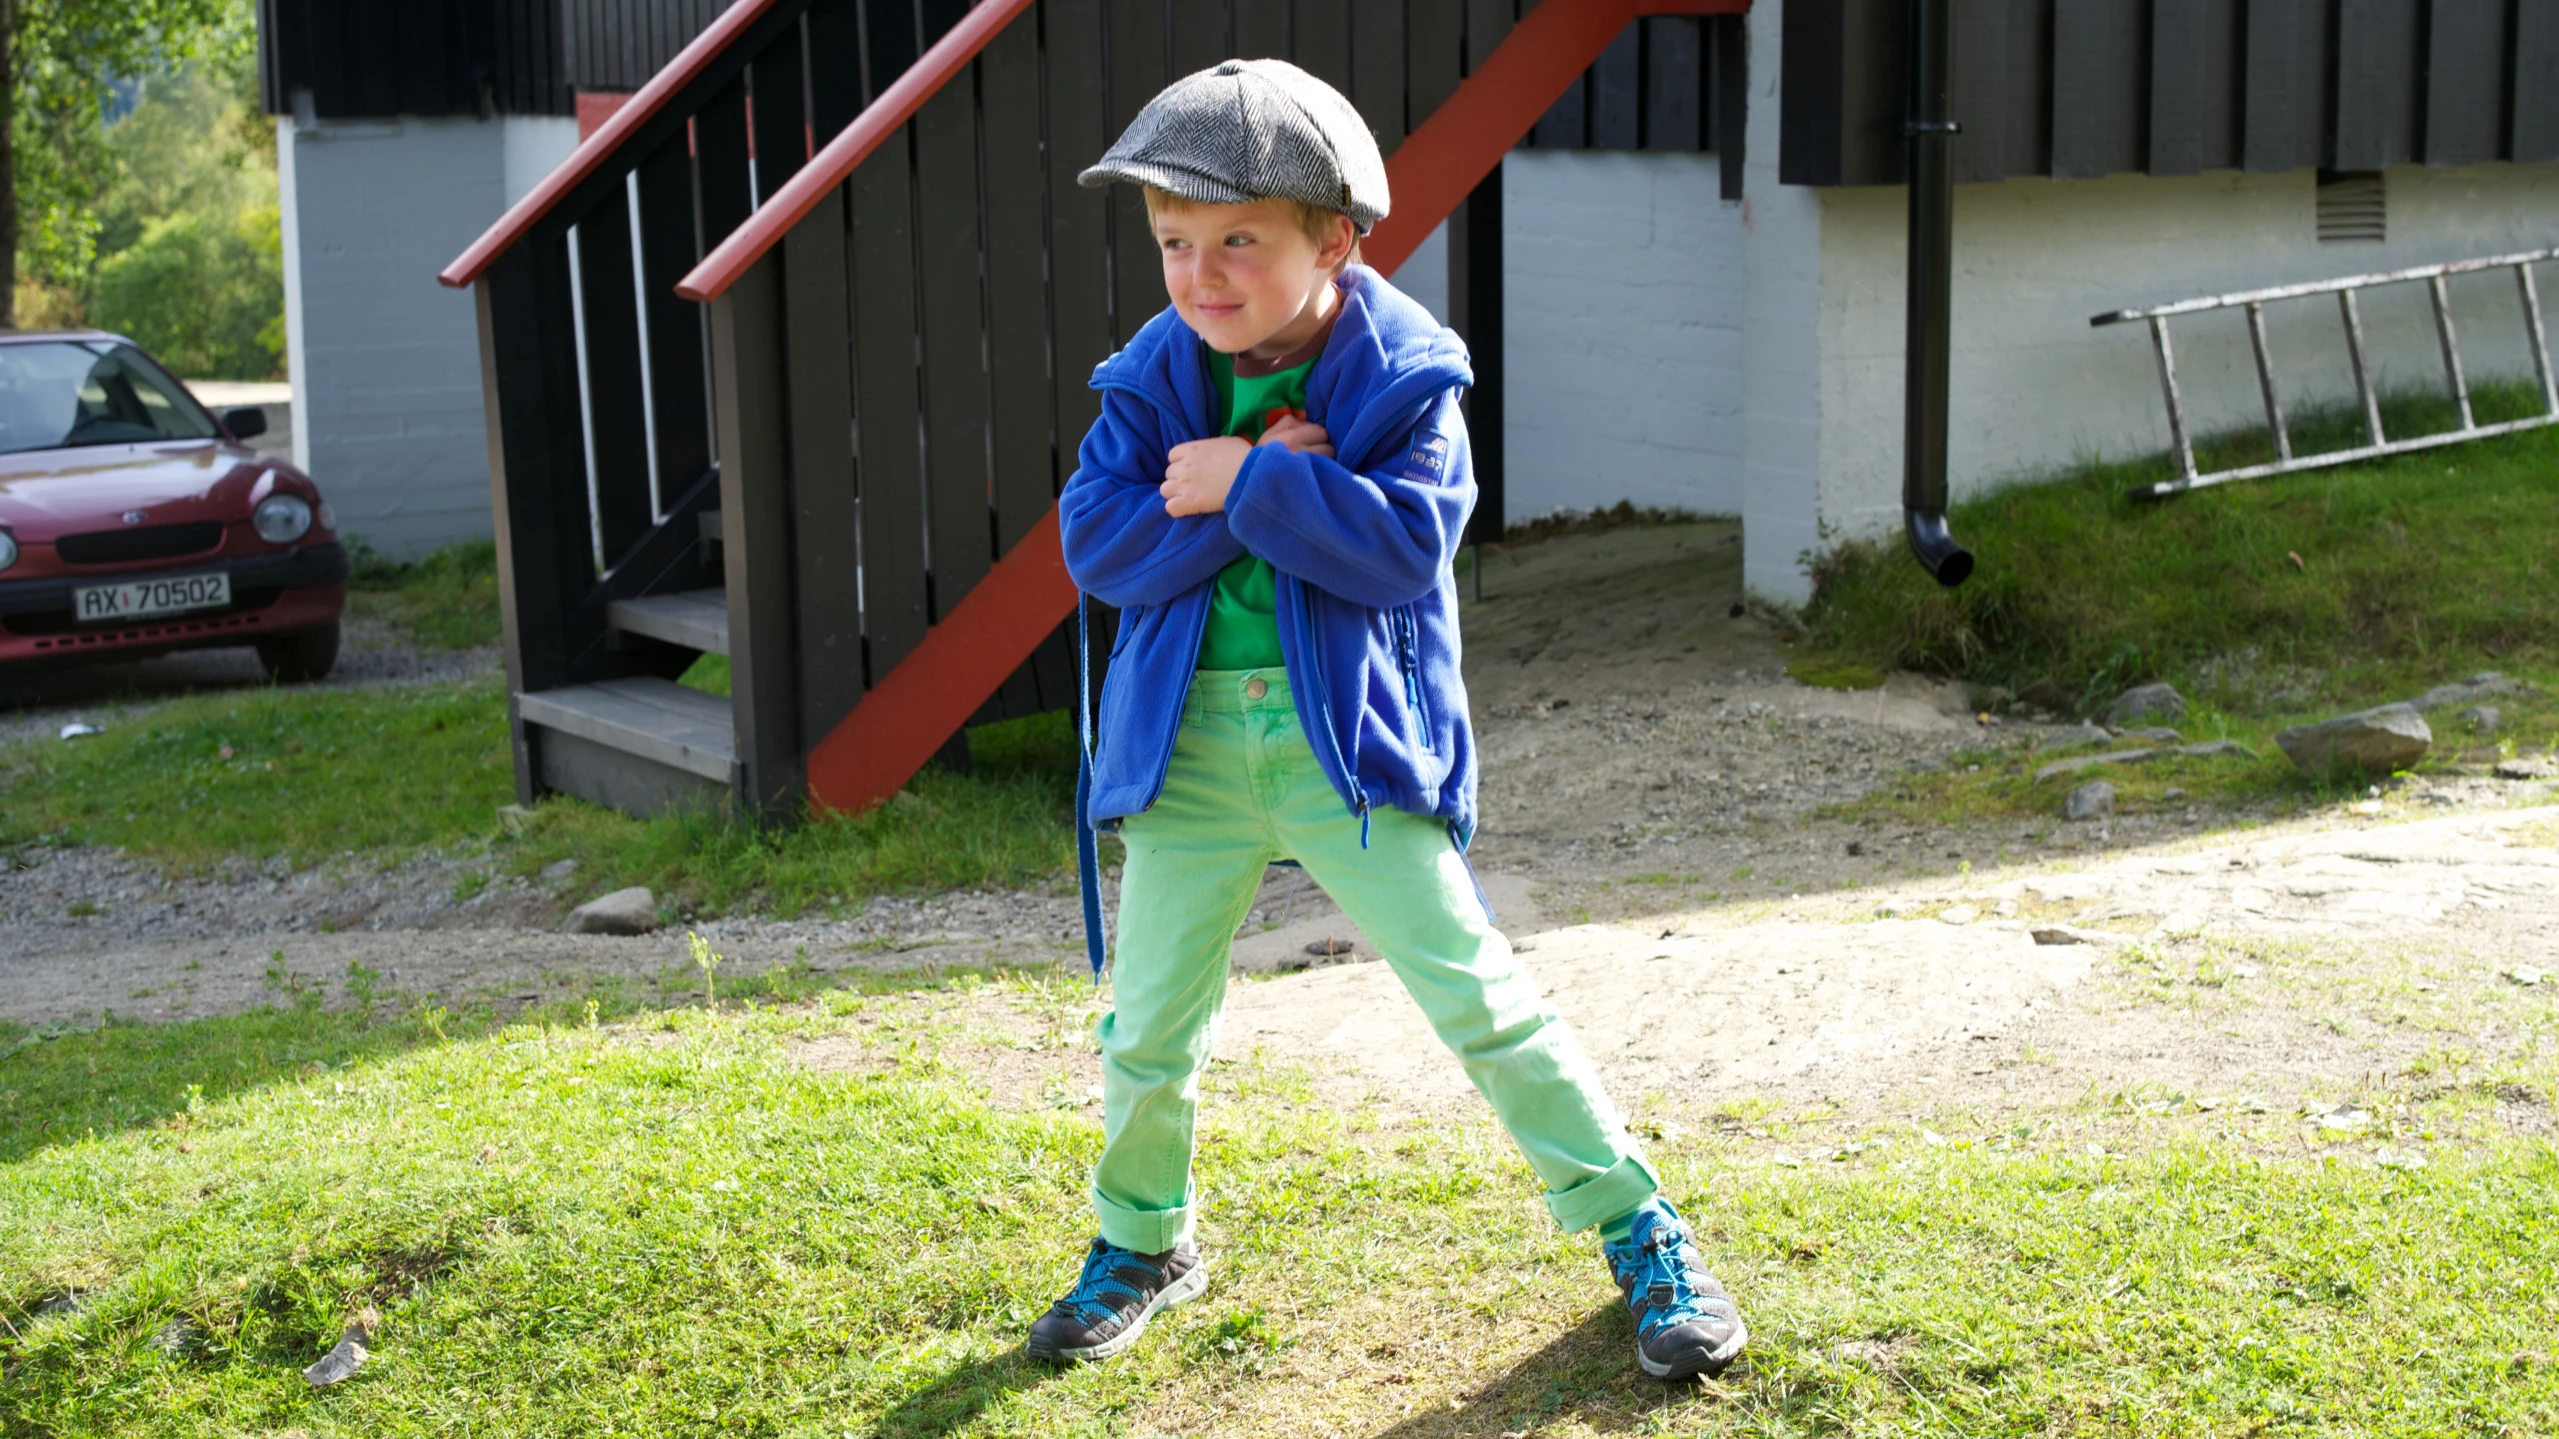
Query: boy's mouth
[1215,311]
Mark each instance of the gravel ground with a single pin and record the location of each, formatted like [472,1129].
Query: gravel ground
[36,705]
[1642,750]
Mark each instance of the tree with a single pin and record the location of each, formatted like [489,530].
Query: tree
[60,60]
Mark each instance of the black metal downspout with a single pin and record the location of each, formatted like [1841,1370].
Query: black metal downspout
[1931,168]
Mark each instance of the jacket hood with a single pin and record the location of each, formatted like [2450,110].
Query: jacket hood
[1386,356]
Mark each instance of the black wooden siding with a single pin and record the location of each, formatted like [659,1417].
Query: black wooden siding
[1652,89]
[379,58]
[2074,89]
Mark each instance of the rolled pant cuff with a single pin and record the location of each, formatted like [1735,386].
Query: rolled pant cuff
[1152,1231]
[1604,1196]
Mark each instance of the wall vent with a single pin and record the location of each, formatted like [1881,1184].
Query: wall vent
[2351,205]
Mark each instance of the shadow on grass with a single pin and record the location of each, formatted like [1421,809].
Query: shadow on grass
[953,1401]
[1585,1375]
[60,1083]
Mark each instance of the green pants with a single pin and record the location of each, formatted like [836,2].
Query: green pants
[1244,790]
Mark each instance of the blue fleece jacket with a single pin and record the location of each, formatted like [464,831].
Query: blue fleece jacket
[1367,601]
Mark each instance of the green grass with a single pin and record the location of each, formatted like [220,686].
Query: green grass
[313,776]
[671,1227]
[2262,597]
[306,774]
[447,599]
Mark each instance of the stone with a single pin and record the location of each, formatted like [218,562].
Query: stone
[2073,934]
[2385,738]
[514,818]
[2077,736]
[2482,719]
[2217,749]
[2071,766]
[1959,914]
[2093,800]
[2527,769]
[624,911]
[2151,734]
[340,1362]
[558,870]
[2463,692]
[2146,702]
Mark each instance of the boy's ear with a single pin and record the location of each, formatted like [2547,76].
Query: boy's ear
[1339,246]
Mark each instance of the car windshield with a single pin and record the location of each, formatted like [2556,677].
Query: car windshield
[58,394]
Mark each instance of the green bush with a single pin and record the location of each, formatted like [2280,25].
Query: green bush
[202,292]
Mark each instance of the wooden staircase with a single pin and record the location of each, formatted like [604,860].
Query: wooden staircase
[787,362]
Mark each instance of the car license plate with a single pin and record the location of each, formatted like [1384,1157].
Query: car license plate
[152,597]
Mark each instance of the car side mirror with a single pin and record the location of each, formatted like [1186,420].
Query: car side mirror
[245,422]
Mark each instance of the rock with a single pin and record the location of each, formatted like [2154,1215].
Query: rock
[624,911]
[514,818]
[2093,800]
[2482,718]
[559,869]
[2462,692]
[2527,769]
[340,1362]
[2217,749]
[1330,948]
[1959,914]
[2121,756]
[2073,934]
[2146,702]
[79,730]
[2078,736]
[2151,734]
[2386,738]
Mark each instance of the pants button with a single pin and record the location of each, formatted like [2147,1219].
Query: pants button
[1256,687]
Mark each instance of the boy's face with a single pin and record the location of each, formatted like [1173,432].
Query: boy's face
[1248,277]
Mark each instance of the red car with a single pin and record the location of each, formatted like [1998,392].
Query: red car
[133,521]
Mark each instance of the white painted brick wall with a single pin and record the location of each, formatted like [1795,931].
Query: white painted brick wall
[2034,388]
[1622,275]
[385,362]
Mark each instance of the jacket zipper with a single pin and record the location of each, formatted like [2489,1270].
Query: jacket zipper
[1408,655]
[1311,651]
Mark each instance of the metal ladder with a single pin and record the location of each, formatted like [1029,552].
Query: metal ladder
[2285,461]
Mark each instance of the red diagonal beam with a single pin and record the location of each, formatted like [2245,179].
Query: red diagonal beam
[877,748]
[925,700]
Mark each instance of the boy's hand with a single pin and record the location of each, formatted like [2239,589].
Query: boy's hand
[1201,473]
[1301,435]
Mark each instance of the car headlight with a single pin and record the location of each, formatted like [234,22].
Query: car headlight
[8,549]
[282,519]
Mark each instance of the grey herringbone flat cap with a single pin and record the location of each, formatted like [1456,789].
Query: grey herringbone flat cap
[1251,130]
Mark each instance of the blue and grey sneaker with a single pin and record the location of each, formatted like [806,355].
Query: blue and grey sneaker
[1118,1292]
[1685,1324]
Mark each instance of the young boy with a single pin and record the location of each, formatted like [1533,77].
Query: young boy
[1272,497]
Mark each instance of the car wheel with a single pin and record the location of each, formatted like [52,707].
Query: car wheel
[302,656]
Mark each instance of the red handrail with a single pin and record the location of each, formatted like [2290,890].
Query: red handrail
[843,154]
[521,216]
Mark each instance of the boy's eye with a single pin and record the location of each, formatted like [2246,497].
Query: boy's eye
[1236,240]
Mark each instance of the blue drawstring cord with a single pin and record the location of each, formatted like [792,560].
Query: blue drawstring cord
[1088,853]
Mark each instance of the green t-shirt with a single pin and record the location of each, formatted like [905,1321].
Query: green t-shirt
[1243,610]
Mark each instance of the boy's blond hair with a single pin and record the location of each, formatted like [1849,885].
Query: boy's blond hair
[1315,220]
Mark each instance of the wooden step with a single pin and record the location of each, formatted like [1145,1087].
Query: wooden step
[695,619]
[641,746]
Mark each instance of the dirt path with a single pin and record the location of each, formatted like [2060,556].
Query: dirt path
[1651,835]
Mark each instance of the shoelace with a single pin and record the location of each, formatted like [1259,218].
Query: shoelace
[1100,1279]
[1657,1262]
